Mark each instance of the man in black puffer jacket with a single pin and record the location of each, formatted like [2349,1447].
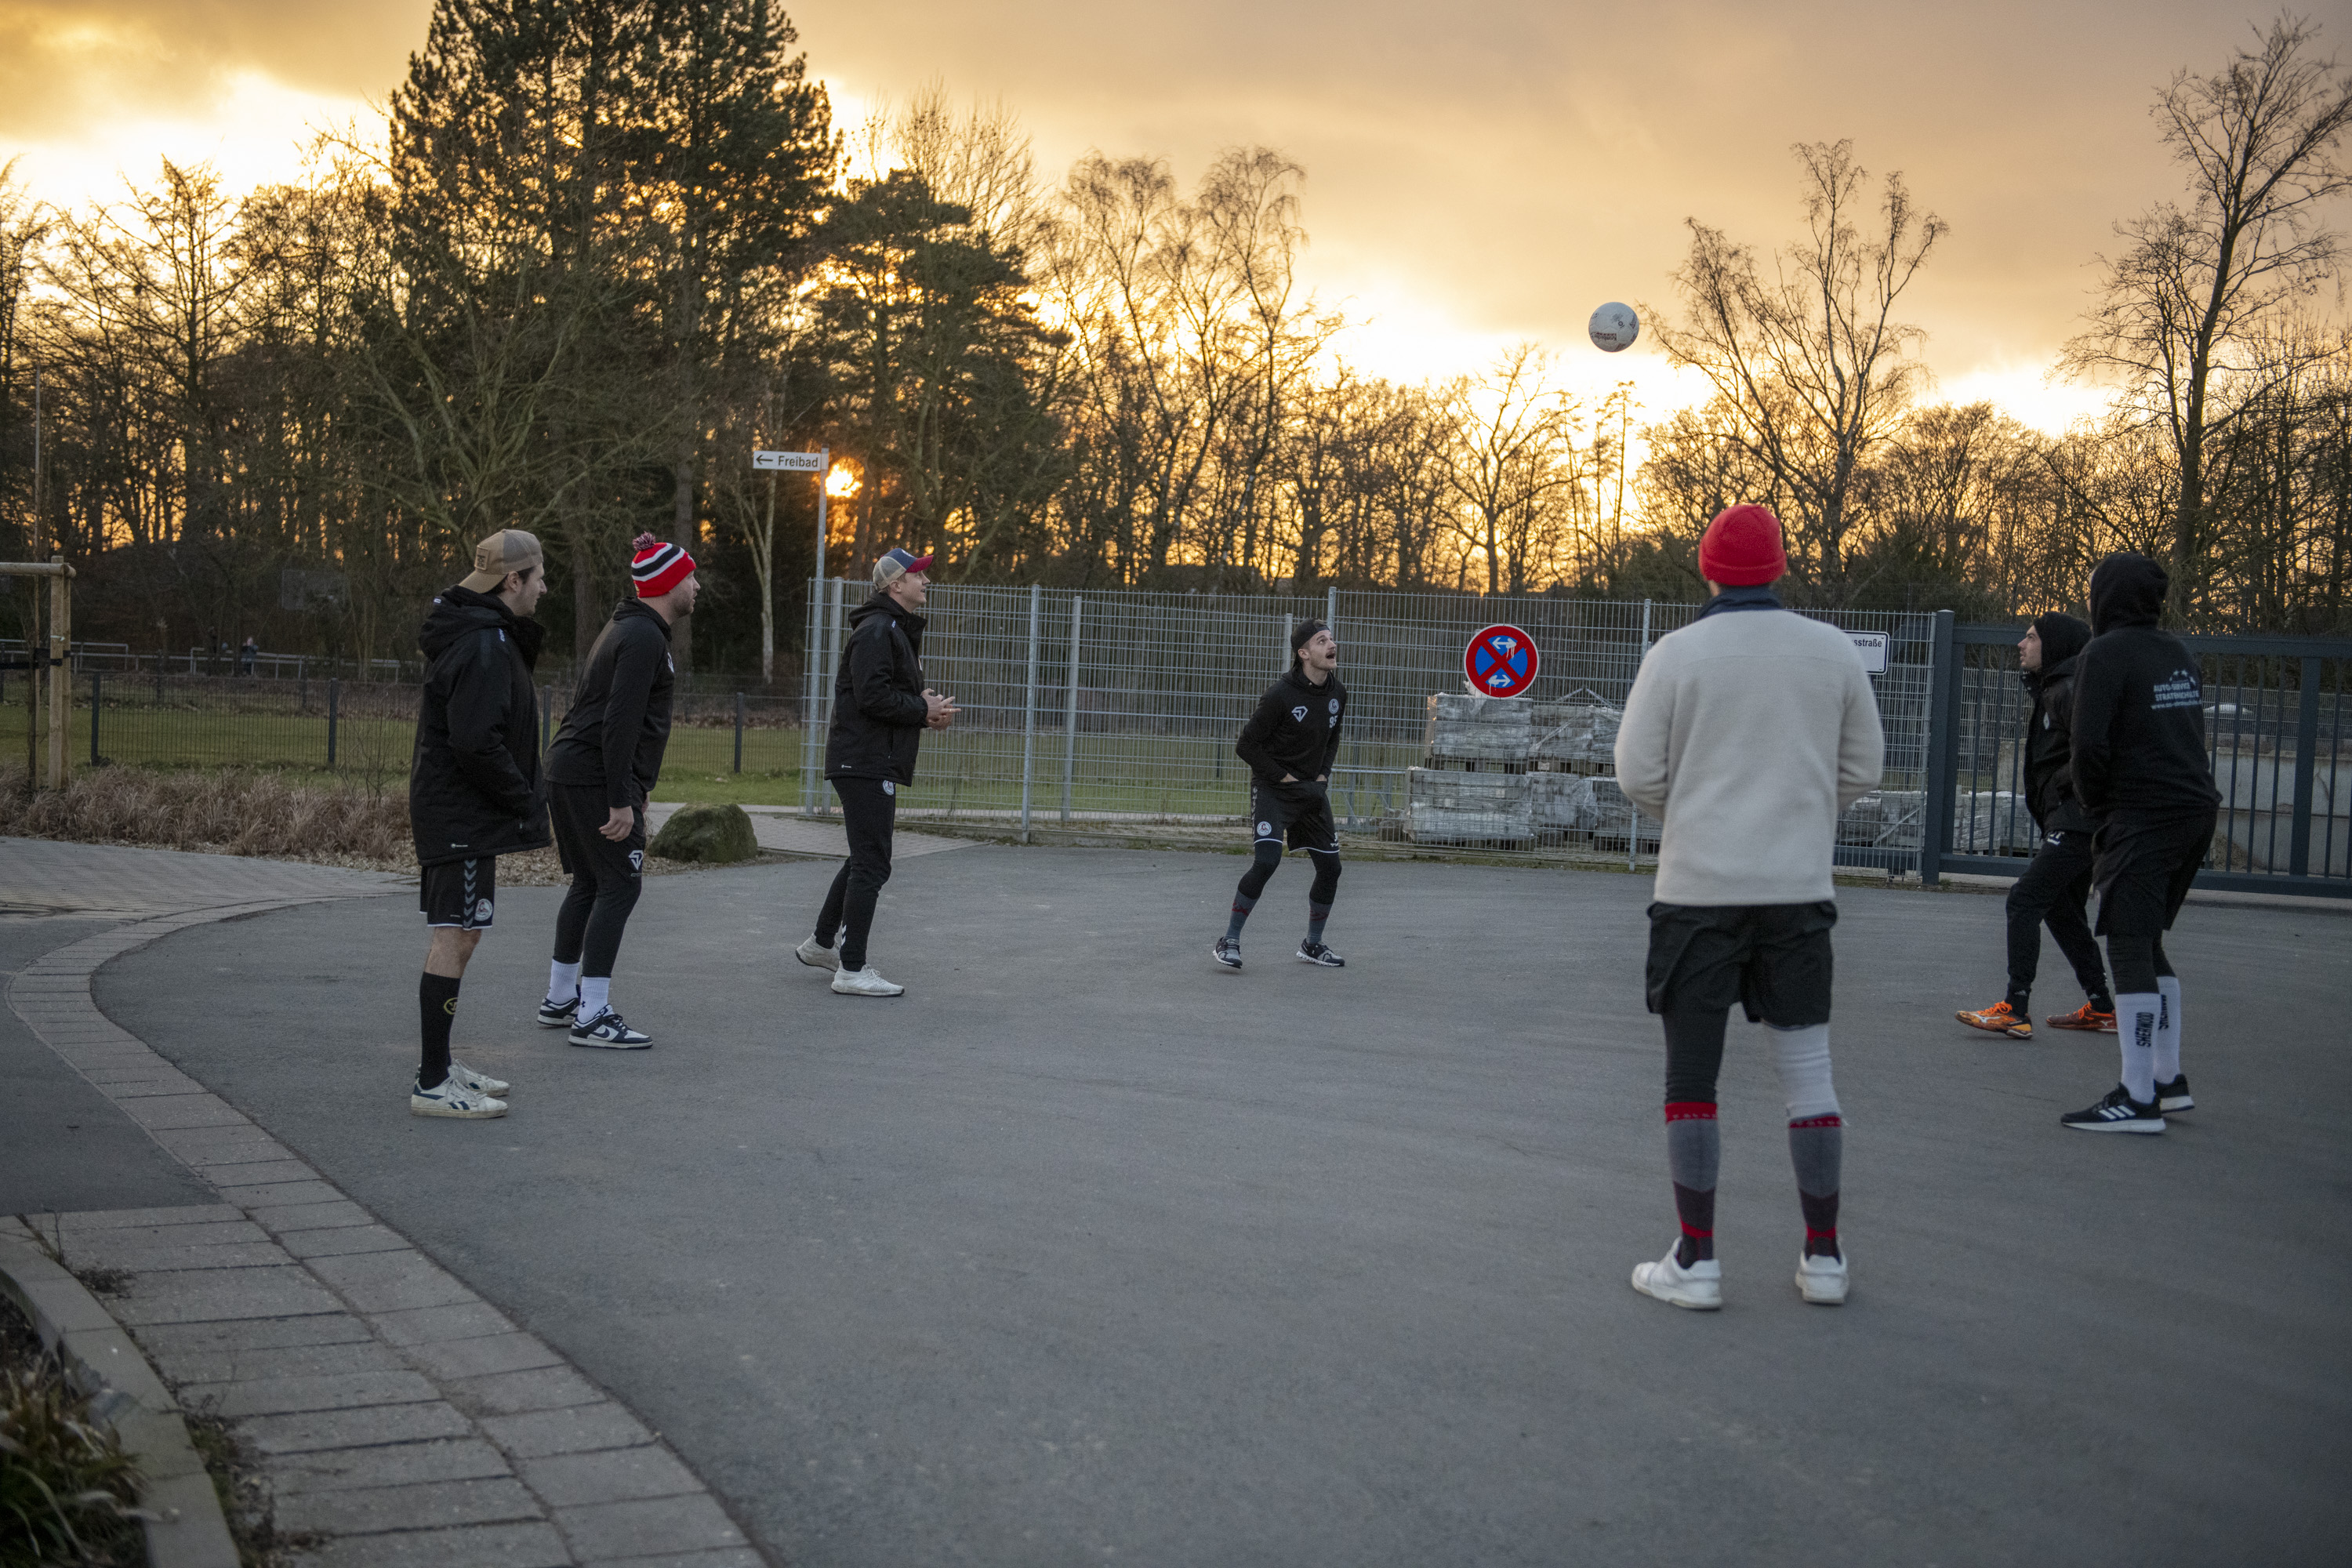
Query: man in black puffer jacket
[2140,764]
[474,789]
[880,709]
[2056,885]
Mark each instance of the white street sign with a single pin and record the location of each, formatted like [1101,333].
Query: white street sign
[1871,646]
[790,462]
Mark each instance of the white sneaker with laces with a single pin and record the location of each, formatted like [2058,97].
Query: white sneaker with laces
[480,1082]
[1822,1281]
[1700,1287]
[866,982]
[817,957]
[607,1032]
[454,1098]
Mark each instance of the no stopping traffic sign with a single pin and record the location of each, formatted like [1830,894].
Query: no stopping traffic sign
[1500,661]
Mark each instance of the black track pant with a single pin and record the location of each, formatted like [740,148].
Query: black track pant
[869,807]
[2055,890]
[605,879]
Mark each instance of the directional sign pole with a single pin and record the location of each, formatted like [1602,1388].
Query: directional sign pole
[824,473]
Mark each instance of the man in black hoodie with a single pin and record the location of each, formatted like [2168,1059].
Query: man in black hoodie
[474,790]
[602,767]
[880,709]
[2140,764]
[1291,744]
[2057,883]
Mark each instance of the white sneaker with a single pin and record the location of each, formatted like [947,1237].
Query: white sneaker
[1822,1281]
[866,982]
[480,1082]
[1700,1287]
[454,1098]
[817,957]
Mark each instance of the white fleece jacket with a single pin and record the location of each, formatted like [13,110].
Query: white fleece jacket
[1747,734]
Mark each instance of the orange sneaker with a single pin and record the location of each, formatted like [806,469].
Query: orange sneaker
[2001,1020]
[2083,1018]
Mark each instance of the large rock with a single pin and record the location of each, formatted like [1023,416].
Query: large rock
[713,834]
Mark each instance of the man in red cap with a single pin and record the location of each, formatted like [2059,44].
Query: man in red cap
[1747,734]
[602,767]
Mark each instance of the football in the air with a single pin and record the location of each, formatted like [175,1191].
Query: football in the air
[1615,327]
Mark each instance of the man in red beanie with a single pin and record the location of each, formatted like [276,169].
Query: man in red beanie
[1747,734]
[602,767]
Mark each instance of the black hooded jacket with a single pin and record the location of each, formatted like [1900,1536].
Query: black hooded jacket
[2139,707]
[617,727]
[879,710]
[2050,733]
[1296,728]
[474,785]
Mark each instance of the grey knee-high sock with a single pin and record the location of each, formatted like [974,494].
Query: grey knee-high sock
[1817,1148]
[1695,1155]
[1243,905]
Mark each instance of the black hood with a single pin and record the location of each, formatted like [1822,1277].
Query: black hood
[2062,637]
[884,604]
[2127,590]
[460,610]
[633,607]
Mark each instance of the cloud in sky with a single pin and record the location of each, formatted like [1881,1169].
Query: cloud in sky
[1478,175]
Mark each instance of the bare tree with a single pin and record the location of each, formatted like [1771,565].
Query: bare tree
[1511,467]
[2185,304]
[1809,364]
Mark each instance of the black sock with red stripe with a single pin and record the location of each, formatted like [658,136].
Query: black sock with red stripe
[1695,1155]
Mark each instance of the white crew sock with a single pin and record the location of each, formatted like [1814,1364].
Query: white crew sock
[562,982]
[2167,1027]
[2136,1016]
[595,996]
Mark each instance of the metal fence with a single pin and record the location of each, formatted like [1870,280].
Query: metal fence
[2278,729]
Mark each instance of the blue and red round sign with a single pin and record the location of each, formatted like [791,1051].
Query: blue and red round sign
[1501,661]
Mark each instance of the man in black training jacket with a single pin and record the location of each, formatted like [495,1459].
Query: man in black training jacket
[880,709]
[2140,764]
[474,790]
[1291,744]
[2056,885]
[602,767]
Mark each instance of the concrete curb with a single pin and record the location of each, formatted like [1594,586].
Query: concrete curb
[187,1528]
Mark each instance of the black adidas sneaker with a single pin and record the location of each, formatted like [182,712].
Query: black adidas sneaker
[2119,1112]
[2172,1099]
[556,1014]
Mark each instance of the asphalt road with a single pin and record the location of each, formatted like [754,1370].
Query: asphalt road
[1085,1251]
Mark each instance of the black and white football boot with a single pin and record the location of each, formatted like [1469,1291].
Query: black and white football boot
[2118,1113]
[554,1014]
[1315,952]
[606,1030]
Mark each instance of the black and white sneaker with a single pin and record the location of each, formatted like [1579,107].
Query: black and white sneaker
[2172,1099]
[1315,952]
[554,1014]
[2119,1112]
[1228,952]
[607,1031]
[454,1098]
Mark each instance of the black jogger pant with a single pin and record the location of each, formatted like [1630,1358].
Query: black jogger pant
[2055,891]
[605,879]
[869,809]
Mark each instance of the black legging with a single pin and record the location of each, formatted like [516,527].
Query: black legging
[1268,856]
[2138,960]
[2055,889]
[605,880]
[869,811]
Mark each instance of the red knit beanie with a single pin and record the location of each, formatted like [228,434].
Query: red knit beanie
[1742,548]
[657,567]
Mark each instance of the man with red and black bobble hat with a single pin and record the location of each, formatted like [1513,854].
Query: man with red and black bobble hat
[1746,733]
[600,769]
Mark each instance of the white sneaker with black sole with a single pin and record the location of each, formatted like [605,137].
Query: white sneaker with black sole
[2118,1113]
[452,1099]
[1316,953]
[817,957]
[1227,952]
[1699,1287]
[866,982]
[554,1014]
[480,1082]
[606,1030]
[1822,1281]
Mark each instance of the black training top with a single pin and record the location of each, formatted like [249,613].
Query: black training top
[1296,728]
[617,727]
[878,711]
[2139,707]
[2050,731]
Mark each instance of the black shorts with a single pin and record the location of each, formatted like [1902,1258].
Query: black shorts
[1298,814]
[459,893]
[2145,868]
[579,810]
[1771,958]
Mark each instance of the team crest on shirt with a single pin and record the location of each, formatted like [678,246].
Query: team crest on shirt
[1335,707]
[1298,715]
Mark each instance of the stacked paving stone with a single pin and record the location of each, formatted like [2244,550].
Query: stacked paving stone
[1509,772]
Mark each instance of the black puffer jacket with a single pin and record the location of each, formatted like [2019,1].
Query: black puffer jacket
[617,727]
[2050,733]
[473,786]
[2140,703]
[877,696]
